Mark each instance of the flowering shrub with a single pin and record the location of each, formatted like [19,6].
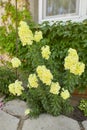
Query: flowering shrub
[48,90]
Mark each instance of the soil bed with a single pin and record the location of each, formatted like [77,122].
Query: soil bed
[77,114]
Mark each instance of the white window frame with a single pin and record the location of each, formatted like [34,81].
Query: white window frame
[82,13]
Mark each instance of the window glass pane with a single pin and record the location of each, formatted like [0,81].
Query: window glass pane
[61,7]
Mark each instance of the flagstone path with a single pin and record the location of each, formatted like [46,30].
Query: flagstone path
[12,117]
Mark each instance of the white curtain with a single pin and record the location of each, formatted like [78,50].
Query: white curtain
[61,7]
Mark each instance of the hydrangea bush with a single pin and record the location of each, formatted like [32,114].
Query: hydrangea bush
[47,89]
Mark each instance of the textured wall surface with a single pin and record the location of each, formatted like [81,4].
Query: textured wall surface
[34,9]
[21,4]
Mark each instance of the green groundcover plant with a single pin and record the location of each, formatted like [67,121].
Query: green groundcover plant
[83,106]
[50,81]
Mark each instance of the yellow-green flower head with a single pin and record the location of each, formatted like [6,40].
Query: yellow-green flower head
[15,62]
[25,34]
[55,87]
[12,88]
[72,52]
[16,88]
[38,36]
[78,69]
[65,94]
[70,61]
[33,81]
[27,111]
[45,52]
[44,74]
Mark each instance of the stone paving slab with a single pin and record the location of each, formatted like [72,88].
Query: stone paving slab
[8,122]
[47,122]
[84,123]
[15,107]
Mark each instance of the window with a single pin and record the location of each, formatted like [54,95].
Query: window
[61,7]
[62,10]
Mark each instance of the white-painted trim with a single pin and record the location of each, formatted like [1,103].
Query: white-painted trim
[40,7]
[82,14]
[83,6]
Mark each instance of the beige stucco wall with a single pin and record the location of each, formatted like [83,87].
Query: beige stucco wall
[1,13]
[34,9]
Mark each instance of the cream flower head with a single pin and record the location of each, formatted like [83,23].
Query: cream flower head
[55,87]
[33,81]
[38,36]
[65,94]
[45,51]
[15,62]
